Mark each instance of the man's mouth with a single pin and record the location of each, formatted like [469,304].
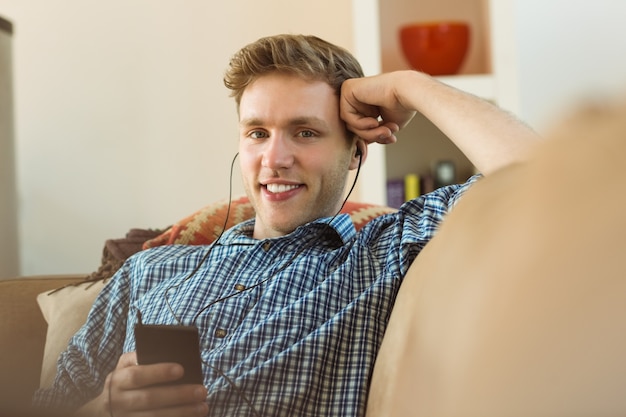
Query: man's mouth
[280,188]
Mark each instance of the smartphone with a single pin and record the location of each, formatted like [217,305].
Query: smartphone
[158,343]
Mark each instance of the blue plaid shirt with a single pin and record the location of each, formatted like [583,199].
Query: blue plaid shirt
[294,322]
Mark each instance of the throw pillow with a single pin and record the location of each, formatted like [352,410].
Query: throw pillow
[65,311]
[206,224]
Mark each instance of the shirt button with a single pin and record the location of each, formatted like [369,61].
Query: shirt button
[240,287]
[220,333]
[267,246]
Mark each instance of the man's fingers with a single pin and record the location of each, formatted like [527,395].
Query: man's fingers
[133,376]
[138,376]
[147,388]
[126,360]
[158,397]
[383,134]
[369,128]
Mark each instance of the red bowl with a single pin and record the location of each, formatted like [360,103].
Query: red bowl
[436,48]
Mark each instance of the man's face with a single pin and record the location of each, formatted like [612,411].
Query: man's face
[293,150]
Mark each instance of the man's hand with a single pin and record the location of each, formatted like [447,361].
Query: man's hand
[137,390]
[372,108]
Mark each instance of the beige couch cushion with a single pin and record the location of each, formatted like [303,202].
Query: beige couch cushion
[517,307]
[22,336]
[65,311]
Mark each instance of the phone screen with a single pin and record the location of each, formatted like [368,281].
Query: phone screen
[170,343]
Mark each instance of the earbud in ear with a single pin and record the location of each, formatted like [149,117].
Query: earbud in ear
[358,152]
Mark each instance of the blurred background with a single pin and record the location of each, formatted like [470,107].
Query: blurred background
[114,115]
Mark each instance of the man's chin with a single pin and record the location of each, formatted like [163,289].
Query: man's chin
[285,228]
[286,224]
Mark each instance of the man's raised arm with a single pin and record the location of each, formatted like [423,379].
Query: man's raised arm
[376,107]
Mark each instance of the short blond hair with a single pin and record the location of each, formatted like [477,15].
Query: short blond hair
[306,56]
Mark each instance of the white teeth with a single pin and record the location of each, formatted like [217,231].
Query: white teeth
[280,188]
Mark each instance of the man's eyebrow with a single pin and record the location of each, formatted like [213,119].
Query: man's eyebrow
[296,121]
[252,121]
[316,121]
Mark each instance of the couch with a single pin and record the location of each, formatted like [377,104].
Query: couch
[516,308]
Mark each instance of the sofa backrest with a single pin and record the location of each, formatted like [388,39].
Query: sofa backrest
[517,307]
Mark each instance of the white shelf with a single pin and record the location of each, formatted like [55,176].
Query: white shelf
[376,45]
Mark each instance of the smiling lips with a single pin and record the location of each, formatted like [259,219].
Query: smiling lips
[280,188]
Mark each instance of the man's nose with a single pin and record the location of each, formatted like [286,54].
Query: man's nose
[278,153]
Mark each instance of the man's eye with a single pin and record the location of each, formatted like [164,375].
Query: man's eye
[258,134]
[307,134]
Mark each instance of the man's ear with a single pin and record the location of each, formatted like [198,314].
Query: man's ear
[359,155]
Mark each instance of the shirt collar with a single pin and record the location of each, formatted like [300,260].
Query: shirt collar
[341,230]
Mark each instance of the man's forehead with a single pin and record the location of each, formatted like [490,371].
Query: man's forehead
[288,99]
[273,86]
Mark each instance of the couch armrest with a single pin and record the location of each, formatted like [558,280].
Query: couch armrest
[23,335]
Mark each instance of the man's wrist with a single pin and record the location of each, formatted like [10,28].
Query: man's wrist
[98,407]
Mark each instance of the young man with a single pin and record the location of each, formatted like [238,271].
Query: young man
[291,306]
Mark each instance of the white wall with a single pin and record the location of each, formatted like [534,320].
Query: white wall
[122,119]
[568,51]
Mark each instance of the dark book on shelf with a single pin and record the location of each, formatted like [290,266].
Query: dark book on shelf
[395,192]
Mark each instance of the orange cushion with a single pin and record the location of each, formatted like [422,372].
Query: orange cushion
[206,224]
